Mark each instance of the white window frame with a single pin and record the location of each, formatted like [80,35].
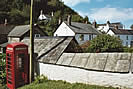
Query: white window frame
[37,35]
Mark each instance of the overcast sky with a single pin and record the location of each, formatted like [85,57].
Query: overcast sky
[103,10]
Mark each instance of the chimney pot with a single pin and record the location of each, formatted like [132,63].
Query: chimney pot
[69,20]
[108,22]
[60,21]
[52,13]
[5,22]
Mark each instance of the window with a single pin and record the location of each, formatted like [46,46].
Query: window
[81,38]
[132,37]
[131,43]
[37,35]
[126,43]
[90,37]
[20,61]
[127,37]
[118,36]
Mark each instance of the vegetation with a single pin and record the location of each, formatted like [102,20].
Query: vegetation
[105,43]
[18,12]
[131,26]
[44,83]
[2,69]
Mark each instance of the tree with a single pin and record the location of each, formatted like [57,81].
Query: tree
[105,43]
[131,26]
[86,20]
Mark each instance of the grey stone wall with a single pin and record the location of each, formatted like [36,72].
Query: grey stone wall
[105,69]
[109,62]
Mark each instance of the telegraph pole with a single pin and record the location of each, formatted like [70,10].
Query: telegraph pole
[31,42]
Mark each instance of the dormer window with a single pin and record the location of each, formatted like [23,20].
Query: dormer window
[37,35]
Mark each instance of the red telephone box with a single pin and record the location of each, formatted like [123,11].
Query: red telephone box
[17,65]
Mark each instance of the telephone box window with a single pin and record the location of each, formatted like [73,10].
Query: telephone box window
[9,82]
[20,61]
[9,55]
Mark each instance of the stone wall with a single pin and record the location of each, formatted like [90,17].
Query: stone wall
[105,69]
[110,62]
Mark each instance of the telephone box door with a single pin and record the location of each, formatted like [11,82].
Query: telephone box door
[21,77]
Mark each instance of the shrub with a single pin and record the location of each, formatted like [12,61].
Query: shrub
[40,79]
[2,69]
[127,49]
[105,43]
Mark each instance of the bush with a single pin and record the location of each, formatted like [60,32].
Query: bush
[40,79]
[2,69]
[105,43]
[127,49]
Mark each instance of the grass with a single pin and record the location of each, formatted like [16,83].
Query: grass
[53,84]
[62,85]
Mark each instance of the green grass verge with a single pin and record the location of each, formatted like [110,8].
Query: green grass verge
[62,85]
[44,83]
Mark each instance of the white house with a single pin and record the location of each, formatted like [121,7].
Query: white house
[105,27]
[125,35]
[81,31]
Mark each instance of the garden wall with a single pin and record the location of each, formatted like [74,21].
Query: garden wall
[106,69]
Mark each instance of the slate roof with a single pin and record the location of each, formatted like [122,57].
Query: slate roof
[5,29]
[49,49]
[18,31]
[122,31]
[83,28]
[111,24]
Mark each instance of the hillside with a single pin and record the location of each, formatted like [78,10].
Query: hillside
[18,11]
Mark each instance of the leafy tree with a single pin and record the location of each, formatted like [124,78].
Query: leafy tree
[105,43]
[131,26]
[77,18]
[86,20]
[52,24]
[17,11]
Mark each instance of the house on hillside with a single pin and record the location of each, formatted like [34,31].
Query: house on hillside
[4,31]
[19,32]
[124,34]
[81,31]
[105,27]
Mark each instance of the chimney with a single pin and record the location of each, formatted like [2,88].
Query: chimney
[52,13]
[41,12]
[5,22]
[108,22]
[69,20]
[60,21]
[116,27]
[86,22]
[94,24]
